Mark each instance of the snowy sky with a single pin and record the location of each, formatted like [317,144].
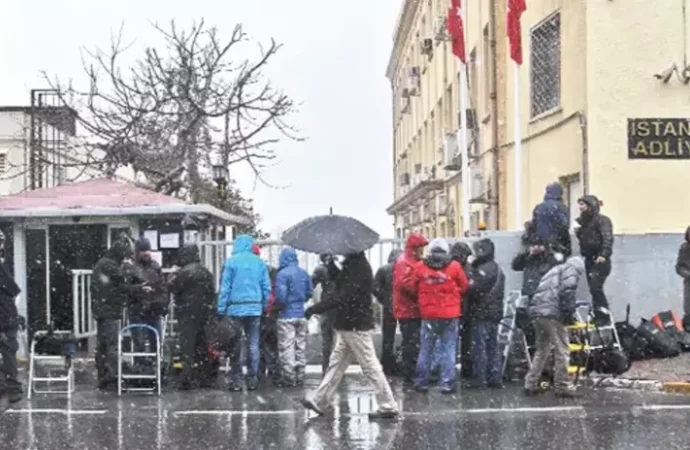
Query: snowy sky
[333,62]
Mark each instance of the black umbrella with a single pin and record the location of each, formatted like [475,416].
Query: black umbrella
[333,234]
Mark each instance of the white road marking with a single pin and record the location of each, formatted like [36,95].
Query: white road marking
[261,399]
[66,412]
[546,409]
[661,407]
[238,412]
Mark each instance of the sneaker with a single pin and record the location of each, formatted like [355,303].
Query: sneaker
[567,393]
[234,387]
[252,385]
[384,414]
[308,404]
[447,391]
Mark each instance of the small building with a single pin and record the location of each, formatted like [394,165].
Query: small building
[54,236]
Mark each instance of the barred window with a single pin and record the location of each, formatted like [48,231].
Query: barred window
[545,73]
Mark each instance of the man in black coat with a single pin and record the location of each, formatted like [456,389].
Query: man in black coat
[322,276]
[195,298]
[110,291]
[353,323]
[484,301]
[383,291]
[10,323]
[461,252]
[149,304]
[596,246]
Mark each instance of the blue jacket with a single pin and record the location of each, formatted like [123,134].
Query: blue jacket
[244,286]
[551,217]
[293,286]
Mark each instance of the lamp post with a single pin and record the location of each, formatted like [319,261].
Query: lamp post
[220,176]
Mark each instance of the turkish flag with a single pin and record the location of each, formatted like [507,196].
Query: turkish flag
[514,30]
[456,29]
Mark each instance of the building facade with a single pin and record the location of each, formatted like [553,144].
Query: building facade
[603,103]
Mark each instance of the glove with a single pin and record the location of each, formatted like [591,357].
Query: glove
[308,313]
[21,323]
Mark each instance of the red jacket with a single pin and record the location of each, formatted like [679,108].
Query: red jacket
[440,283]
[404,297]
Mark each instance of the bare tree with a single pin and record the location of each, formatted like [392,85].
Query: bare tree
[181,108]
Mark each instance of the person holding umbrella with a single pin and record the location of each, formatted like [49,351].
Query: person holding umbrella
[353,322]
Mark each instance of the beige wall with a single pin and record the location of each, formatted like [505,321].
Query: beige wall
[635,40]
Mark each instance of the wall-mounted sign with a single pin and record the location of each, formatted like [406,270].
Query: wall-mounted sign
[659,138]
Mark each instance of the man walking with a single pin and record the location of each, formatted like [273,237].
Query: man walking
[596,246]
[405,307]
[10,322]
[244,292]
[293,290]
[353,324]
[383,291]
[323,276]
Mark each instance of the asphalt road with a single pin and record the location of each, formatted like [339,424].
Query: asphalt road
[272,419]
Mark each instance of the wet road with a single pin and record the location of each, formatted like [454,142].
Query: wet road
[270,419]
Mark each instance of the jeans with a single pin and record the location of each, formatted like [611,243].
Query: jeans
[9,381]
[252,328]
[445,332]
[409,328]
[486,357]
[388,328]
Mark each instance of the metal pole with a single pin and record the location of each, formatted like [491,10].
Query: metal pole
[464,157]
[517,124]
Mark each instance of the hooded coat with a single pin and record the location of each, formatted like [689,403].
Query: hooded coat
[551,220]
[293,286]
[142,303]
[596,231]
[460,252]
[351,304]
[534,267]
[9,290]
[683,269]
[193,286]
[383,282]
[487,284]
[245,286]
[110,290]
[404,297]
[440,284]
[555,295]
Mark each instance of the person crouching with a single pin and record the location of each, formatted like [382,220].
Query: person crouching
[293,289]
[551,308]
[440,283]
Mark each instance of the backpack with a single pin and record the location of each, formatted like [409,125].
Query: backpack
[671,324]
[655,342]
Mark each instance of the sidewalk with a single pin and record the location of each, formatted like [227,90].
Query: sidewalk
[667,375]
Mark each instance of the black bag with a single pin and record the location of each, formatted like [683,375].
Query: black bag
[221,332]
[671,324]
[611,360]
[660,344]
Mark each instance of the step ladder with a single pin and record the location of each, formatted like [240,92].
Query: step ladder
[66,379]
[158,355]
[506,329]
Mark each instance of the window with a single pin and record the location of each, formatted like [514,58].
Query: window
[486,70]
[545,70]
[3,163]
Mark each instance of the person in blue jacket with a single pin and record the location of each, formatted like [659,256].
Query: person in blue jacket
[551,220]
[245,288]
[293,289]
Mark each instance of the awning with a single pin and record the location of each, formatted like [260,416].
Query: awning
[415,194]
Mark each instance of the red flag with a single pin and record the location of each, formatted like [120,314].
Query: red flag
[514,30]
[456,29]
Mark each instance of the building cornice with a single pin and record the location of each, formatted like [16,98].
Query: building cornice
[402,31]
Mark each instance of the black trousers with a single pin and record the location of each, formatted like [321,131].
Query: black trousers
[107,336]
[410,329]
[388,328]
[596,277]
[466,348]
[9,380]
[193,351]
[327,341]
[268,347]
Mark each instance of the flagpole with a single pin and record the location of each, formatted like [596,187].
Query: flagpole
[464,156]
[517,126]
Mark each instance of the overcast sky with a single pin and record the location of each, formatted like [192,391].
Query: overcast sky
[333,61]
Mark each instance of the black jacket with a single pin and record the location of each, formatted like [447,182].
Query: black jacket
[193,287]
[147,304]
[110,290]
[8,293]
[323,276]
[383,282]
[352,301]
[534,267]
[487,284]
[596,231]
[460,251]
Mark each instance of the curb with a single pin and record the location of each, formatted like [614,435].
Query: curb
[677,387]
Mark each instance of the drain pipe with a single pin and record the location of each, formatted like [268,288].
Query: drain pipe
[585,152]
[494,115]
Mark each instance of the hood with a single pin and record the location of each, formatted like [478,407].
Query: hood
[553,191]
[577,263]
[414,241]
[439,254]
[394,255]
[256,250]
[460,251]
[288,256]
[484,251]
[242,244]
[593,202]
[188,254]
[687,235]
[121,250]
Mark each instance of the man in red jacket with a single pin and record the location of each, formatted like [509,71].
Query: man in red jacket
[440,283]
[405,307]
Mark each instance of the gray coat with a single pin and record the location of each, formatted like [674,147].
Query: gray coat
[555,295]
[683,270]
